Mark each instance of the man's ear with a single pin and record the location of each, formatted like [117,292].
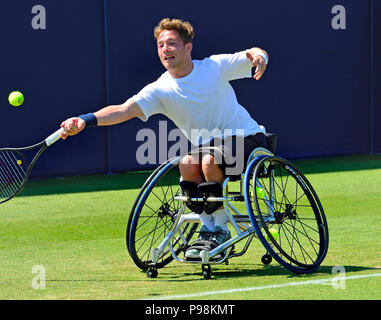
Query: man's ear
[189,47]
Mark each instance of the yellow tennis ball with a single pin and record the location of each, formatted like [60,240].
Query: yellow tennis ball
[260,193]
[19,162]
[274,233]
[16,98]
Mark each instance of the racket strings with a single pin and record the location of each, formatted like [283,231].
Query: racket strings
[12,173]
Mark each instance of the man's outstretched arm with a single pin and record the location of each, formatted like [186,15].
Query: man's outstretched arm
[107,116]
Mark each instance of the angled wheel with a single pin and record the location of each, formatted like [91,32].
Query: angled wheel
[152,217]
[142,190]
[287,215]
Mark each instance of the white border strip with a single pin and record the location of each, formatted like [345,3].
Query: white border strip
[288,284]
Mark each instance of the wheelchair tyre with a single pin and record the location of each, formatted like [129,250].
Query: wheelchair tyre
[292,207]
[152,217]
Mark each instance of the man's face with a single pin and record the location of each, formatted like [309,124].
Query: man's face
[173,53]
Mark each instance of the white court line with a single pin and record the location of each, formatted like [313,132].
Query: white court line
[271,286]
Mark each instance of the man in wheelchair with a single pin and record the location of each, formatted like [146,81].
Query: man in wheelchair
[196,95]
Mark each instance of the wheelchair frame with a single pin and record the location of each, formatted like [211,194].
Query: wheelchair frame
[245,226]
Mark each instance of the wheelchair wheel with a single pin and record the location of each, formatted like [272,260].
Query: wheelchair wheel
[286,214]
[152,217]
[142,190]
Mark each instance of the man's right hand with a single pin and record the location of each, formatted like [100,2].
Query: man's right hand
[72,126]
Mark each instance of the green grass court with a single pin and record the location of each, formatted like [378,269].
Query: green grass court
[75,228]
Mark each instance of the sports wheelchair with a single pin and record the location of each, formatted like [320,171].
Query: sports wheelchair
[271,201]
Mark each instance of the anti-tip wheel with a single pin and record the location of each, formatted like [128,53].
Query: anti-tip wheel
[266,259]
[206,271]
[152,273]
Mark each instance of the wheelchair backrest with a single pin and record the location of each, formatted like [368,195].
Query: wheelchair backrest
[271,140]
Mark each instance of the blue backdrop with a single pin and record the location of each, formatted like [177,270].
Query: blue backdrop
[320,93]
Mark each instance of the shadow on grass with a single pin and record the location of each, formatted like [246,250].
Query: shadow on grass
[246,270]
[277,270]
[135,179]
[219,274]
[90,183]
[339,163]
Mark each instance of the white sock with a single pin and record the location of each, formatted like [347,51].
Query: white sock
[221,219]
[207,220]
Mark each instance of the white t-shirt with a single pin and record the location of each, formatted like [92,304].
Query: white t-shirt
[202,104]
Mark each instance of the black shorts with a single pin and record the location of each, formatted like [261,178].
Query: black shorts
[232,152]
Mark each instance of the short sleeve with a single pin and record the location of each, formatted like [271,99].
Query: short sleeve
[233,66]
[148,100]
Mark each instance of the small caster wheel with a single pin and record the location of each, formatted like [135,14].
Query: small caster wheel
[266,258]
[151,272]
[206,274]
[206,271]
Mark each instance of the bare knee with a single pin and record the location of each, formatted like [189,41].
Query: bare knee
[211,169]
[190,169]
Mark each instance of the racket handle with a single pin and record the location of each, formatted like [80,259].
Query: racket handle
[54,137]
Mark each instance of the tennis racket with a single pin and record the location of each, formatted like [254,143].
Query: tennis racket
[15,168]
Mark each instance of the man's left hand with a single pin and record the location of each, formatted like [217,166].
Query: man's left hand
[259,64]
